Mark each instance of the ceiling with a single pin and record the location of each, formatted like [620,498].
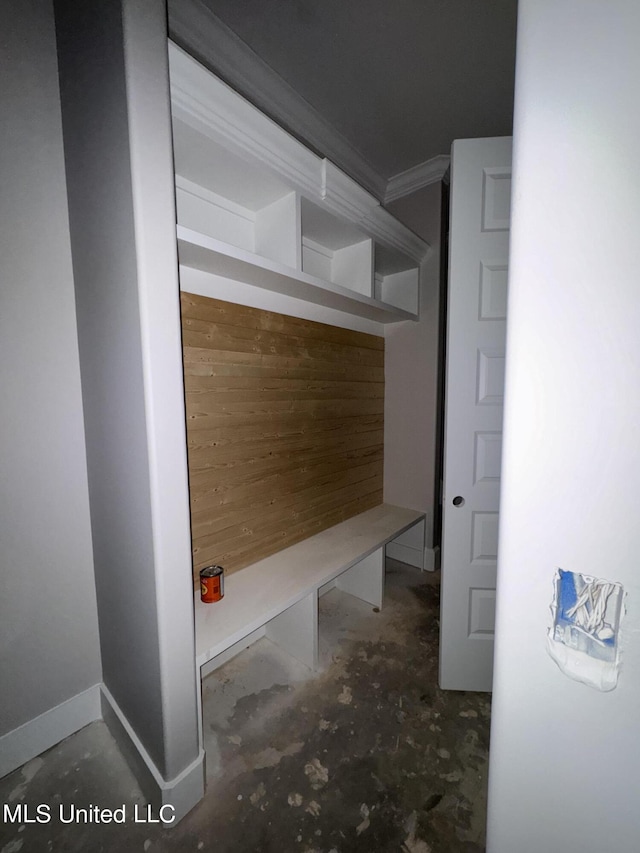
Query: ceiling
[381,87]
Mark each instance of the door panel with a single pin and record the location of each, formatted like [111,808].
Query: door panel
[476,324]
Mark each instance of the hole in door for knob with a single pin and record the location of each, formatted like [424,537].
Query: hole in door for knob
[458,500]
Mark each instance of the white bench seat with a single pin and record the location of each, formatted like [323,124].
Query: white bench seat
[280,593]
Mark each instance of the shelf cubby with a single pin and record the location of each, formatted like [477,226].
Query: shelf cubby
[221,195]
[335,250]
[396,279]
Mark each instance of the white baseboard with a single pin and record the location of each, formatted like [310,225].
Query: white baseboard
[429,564]
[182,792]
[405,554]
[29,740]
[421,558]
[410,548]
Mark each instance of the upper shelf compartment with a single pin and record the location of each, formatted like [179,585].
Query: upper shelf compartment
[222,196]
[395,279]
[255,205]
[336,250]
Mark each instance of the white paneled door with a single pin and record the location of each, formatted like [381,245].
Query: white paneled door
[476,324]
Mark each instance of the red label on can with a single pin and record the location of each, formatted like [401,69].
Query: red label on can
[211,585]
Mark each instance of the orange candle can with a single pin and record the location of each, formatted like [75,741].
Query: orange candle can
[211,584]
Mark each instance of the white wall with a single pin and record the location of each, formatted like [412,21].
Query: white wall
[411,372]
[420,211]
[115,107]
[49,649]
[565,757]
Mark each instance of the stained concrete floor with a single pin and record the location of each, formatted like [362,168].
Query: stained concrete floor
[366,755]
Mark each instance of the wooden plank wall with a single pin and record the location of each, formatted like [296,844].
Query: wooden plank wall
[284,428]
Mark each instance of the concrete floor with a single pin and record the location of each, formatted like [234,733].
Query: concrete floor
[366,755]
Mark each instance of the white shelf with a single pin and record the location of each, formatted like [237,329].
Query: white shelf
[205,253]
[254,205]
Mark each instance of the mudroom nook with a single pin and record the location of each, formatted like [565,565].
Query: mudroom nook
[284,410]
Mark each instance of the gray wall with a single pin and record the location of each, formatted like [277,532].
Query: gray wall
[420,211]
[411,369]
[49,648]
[115,104]
[565,756]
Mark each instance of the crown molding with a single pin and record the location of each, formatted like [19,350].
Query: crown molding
[390,231]
[206,103]
[194,27]
[345,197]
[429,172]
[201,100]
